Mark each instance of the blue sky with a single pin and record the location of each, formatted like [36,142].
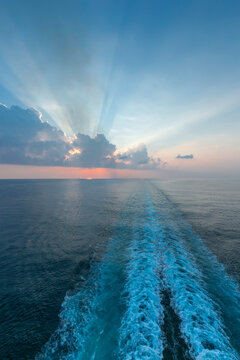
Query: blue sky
[160,73]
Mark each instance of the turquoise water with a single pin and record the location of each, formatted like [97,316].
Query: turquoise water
[151,288]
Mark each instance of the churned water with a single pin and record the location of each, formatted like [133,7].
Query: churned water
[121,270]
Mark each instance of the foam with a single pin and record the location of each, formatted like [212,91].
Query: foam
[201,324]
[140,333]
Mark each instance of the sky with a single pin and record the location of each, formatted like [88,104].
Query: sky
[138,88]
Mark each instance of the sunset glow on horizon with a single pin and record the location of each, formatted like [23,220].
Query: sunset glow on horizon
[58,172]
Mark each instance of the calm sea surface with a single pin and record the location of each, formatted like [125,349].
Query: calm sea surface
[119,269]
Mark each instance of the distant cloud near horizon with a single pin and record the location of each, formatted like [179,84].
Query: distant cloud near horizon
[190,156]
[27,140]
[138,157]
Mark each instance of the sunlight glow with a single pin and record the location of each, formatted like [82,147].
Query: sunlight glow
[75,151]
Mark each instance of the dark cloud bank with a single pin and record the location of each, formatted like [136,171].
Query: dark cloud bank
[25,139]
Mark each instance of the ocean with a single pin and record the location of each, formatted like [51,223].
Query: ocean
[120,269]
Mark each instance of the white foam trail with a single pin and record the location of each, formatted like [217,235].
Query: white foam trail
[219,285]
[140,333]
[223,289]
[90,318]
[119,315]
[77,313]
[201,324]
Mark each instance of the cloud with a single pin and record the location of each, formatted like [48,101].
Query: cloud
[138,158]
[92,152]
[26,139]
[190,156]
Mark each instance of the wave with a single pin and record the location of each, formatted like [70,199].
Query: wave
[150,297]
[201,322]
[140,333]
[90,318]
[220,286]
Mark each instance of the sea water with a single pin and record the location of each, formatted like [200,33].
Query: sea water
[120,269]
